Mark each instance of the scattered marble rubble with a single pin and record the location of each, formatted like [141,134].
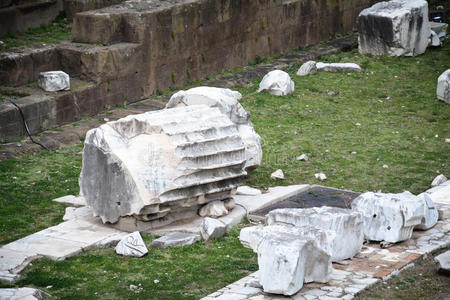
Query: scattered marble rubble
[443,87]
[54,81]
[278,174]
[308,68]
[212,228]
[302,157]
[343,227]
[320,176]
[247,191]
[443,262]
[394,28]
[24,293]
[227,101]
[277,83]
[132,245]
[175,239]
[392,217]
[213,209]
[338,67]
[438,180]
[161,166]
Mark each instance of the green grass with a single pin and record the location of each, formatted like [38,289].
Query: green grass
[59,30]
[394,102]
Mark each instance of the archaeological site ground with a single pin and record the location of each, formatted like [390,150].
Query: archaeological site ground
[214,149]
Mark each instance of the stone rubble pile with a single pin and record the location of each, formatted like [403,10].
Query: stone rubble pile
[227,101]
[392,217]
[298,245]
[394,28]
[277,83]
[162,166]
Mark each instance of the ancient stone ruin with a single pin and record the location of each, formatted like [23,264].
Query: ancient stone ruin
[162,166]
[394,28]
[443,87]
[227,101]
[392,217]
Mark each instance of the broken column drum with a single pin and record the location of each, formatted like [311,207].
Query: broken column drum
[161,166]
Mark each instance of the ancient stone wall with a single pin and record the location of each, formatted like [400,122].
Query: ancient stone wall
[192,39]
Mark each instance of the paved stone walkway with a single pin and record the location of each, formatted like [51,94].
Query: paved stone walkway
[370,266]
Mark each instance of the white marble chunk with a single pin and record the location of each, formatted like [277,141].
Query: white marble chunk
[277,83]
[308,68]
[54,81]
[394,28]
[443,87]
[227,101]
[338,67]
[132,245]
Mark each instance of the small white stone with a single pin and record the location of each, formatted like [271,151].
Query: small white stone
[438,180]
[278,174]
[277,83]
[212,228]
[443,87]
[132,245]
[302,157]
[54,81]
[320,176]
[447,140]
[385,166]
[213,209]
[247,191]
[308,68]
[156,281]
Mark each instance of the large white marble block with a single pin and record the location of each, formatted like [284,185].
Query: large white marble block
[162,166]
[346,225]
[389,217]
[394,28]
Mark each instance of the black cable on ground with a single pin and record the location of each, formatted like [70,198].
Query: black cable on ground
[26,126]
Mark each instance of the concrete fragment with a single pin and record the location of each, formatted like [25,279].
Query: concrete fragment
[161,166]
[71,200]
[438,180]
[212,228]
[24,293]
[308,68]
[175,239]
[278,174]
[389,217]
[443,262]
[132,245]
[227,101]
[213,209]
[394,28]
[338,67]
[346,225]
[54,81]
[277,83]
[287,261]
[247,191]
[430,213]
[443,87]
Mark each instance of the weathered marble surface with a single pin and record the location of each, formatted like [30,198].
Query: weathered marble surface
[308,68]
[175,239]
[389,217]
[443,87]
[132,245]
[161,166]
[277,83]
[394,28]
[443,262]
[54,81]
[227,101]
[346,227]
[338,67]
[24,293]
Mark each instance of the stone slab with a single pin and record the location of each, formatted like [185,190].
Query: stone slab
[71,200]
[440,193]
[443,261]
[175,239]
[24,293]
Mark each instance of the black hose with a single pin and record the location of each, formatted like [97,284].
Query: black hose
[26,126]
